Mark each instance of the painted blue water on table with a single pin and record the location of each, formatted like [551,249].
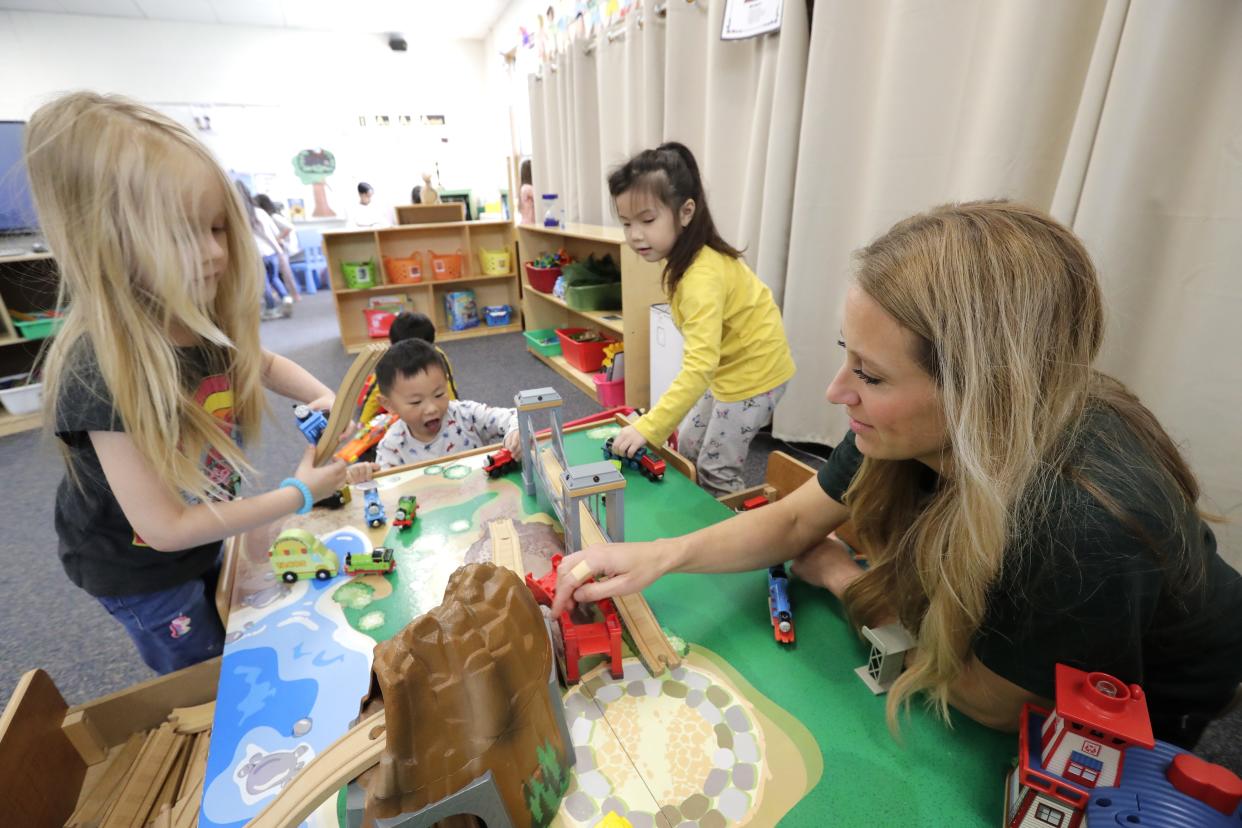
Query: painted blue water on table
[289,687]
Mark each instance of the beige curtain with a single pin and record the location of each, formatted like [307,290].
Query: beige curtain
[1123,117]
[668,76]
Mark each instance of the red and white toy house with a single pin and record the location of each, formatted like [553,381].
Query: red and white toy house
[1073,763]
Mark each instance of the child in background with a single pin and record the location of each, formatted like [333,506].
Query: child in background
[413,384]
[364,214]
[407,325]
[156,379]
[278,301]
[736,362]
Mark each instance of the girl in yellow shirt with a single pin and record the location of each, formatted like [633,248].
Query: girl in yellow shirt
[736,362]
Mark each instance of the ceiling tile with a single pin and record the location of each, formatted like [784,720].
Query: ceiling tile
[102,8]
[32,5]
[249,12]
[198,11]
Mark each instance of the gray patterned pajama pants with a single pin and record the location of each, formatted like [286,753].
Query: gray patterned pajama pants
[716,436]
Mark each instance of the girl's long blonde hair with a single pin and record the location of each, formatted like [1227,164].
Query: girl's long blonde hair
[1006,307]
[116,186]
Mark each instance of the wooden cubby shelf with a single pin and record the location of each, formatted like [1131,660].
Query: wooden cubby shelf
[28,282]
[427,296]
[640,289]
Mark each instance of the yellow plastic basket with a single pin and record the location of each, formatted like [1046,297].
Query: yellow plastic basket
[494,262]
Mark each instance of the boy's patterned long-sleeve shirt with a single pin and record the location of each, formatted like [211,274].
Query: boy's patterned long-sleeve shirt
[467,425]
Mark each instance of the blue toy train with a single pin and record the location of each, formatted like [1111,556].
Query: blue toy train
[373,509]
[311,423]
[778,604]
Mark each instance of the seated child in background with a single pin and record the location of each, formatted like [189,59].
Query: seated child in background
[413,384]
[407,325]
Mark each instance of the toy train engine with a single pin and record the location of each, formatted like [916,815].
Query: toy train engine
[366,438]
[500,463]
[778,604]
[647,463]
[407,510]
[311,423]
[373,509]
[380,560]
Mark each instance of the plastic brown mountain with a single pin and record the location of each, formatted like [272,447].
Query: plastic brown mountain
[465,690]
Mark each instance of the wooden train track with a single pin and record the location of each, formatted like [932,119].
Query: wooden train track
[343,760]
[346,400]
[506,550]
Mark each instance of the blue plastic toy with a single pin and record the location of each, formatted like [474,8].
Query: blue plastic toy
[311,423]
[373,509]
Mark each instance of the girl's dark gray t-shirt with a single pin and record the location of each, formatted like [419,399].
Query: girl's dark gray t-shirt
[98,548]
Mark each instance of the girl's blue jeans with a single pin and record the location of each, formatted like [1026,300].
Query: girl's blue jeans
[175,627]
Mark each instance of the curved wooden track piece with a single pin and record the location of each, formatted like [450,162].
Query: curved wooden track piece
[343,760]
[346,397]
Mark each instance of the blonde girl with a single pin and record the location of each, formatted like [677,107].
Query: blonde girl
[736,361]
[156,380]
[1019,508]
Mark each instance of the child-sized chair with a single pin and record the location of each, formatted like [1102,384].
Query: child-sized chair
[309,265]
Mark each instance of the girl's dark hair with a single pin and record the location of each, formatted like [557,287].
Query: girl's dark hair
[670,173]
[412,325]
[264,201]
[407,358]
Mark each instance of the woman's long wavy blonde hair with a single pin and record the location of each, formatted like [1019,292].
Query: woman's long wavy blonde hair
[115,186]
[1006,307]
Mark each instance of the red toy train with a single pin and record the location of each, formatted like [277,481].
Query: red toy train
[646,462]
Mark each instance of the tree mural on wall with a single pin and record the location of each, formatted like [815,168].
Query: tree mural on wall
[313,166]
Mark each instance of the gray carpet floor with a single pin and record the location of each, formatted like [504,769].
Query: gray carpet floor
[52,624]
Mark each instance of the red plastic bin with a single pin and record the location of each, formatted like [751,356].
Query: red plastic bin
[542,279]
[378,322]
[585,356]
[610,392]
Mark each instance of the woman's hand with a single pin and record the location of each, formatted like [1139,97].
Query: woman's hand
[628,441]
[321,480]
[630,568]
[828,564]
[361,472]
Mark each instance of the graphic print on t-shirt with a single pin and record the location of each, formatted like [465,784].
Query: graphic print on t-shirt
[215,395]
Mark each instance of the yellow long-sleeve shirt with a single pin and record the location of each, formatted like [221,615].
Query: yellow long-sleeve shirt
[734,341]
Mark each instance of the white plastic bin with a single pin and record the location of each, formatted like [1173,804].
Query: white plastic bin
[20,399]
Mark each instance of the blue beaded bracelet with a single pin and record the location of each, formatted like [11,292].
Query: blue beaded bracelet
[308,501]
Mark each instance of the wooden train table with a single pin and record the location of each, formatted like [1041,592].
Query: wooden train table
[744,731]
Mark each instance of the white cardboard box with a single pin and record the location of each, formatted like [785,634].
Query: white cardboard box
[667,347]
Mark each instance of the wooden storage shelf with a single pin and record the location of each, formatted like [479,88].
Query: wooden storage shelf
[640,289]
[27,283]
[426,296]
[597,318]
[408,214]
[579,378]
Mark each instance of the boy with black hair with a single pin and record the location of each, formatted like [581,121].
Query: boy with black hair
[413,384]
[407,325]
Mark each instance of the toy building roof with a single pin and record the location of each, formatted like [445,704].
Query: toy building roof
[1101,702]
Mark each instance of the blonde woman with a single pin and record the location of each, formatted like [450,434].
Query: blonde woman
[156,379]
[1020,508]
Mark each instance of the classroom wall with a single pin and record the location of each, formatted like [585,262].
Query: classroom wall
[279,91]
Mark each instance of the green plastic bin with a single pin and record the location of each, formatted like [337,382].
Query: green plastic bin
[543,341]
[359,274]
[38,325]
[600,297]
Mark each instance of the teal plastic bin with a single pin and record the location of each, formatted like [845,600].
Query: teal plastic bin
[543,341]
